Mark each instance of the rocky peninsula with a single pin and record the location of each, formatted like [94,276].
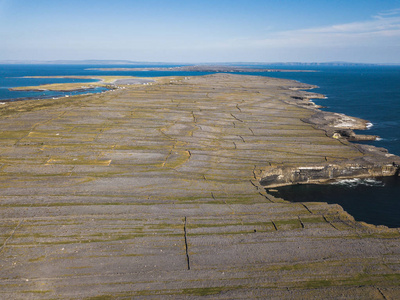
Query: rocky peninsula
[158,190]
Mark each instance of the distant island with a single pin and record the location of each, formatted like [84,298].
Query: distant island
[202,68]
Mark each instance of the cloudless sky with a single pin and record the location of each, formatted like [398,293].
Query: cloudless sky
[201,30]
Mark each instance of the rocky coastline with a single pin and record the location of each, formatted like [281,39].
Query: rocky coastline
[374,162]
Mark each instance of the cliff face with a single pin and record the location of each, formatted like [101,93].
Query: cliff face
[374,162]
[319,174]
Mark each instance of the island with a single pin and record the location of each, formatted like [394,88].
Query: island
[162,190]
[202,68]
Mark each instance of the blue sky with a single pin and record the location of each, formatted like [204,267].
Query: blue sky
[202,30]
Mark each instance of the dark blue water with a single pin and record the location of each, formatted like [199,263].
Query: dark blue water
[13,76]
[371,93]
[371,201]
[367,92]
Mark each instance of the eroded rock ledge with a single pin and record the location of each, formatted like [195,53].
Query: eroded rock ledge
[336,125]
[280,176]
[375,162]
[340,126]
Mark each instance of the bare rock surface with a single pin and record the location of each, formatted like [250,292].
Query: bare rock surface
[132,81]
[153,191]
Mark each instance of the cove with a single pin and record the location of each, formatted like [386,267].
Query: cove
[374,201]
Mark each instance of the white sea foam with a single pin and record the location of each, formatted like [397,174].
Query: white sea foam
[369,125]
[357,181]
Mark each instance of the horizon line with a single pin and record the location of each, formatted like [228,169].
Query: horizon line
[122,61]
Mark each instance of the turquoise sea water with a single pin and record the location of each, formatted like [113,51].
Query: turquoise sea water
[368,92]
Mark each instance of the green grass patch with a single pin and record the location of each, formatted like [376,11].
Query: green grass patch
[208,291]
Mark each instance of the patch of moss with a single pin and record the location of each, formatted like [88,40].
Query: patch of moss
[207,291]
[37,258]
[357,280]
[288,224]
[37,292]
[13,134]
[102,297]
[316,219]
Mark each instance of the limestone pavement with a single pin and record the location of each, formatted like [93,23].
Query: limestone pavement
[152,191]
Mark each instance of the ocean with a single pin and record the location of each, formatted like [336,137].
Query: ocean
[368,92]
[371,93]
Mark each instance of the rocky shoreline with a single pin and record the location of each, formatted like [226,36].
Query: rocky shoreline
[375,162]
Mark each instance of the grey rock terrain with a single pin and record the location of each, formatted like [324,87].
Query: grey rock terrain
[153,191]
